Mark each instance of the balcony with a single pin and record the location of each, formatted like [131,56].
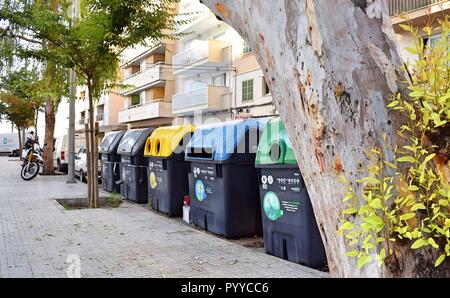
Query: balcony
[202,57]
[207,98]
[151,76]
[147,111]
[397,7]
[99,118]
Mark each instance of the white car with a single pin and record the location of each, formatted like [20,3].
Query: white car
[81,165]
[60,155]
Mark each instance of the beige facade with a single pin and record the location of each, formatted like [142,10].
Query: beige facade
[419,14]
[106,112]
[149,82]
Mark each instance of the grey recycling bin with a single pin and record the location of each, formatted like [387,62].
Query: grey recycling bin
[133,170]
[110,160]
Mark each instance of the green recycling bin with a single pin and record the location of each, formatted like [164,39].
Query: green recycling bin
[289,226]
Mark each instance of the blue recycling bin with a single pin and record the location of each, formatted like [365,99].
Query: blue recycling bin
[223,181]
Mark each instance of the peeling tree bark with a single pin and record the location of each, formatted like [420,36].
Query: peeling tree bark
[330,65]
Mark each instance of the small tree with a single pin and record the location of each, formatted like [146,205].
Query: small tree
[93,46]
[26,84]
[18,111]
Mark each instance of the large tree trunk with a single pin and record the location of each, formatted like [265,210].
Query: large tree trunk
[50,117]
[49,137]
[330,65]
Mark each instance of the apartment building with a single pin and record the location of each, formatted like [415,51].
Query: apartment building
[106,111]
[149,85]
[419,13]
[211,74]
[216,73]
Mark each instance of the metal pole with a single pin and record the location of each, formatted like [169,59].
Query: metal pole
[71,131]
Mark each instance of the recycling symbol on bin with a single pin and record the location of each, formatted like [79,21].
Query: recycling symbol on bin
[200,190]
[272,206]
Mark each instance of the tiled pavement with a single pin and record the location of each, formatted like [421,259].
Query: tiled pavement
[37,235]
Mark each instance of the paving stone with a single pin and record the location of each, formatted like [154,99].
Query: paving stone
[37,235]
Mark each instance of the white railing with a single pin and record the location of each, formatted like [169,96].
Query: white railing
[150,110]
[198,51]
[204,98]
[149,75]
[190,99]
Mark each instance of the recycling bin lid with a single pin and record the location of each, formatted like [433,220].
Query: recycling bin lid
[165,141]
[219,142]
[275,147]
[110,142]
[133,142]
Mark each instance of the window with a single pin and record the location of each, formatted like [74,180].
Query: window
[247,91]
[135,99]
[247,48]
[265,90]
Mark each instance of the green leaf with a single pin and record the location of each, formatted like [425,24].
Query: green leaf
[419,243]
[347,198]
[374,220]
[350,211]
[352,254]
[347,226]
[407,216]
[391,165]
[377,204]
[362,261]
[440,260]
[418,206]
[407,159]
[430,158]
[393,104]
[413,188]
[433,243]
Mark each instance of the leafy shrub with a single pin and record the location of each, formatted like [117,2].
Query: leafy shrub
[407,199]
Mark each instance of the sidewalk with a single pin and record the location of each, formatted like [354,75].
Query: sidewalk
[37,235]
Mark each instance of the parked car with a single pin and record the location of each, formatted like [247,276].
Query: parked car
[60,158]
[81,165]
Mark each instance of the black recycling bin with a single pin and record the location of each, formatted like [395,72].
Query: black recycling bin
[133,170]
[110,161]
[223,182]
[167,169]
[290,228]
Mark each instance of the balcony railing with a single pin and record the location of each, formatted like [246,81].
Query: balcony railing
[99,117]
[202,56]
[147,77]
[397,7]
[146,111]
[206,98]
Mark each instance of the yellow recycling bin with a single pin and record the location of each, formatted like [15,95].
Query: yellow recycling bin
[167,169]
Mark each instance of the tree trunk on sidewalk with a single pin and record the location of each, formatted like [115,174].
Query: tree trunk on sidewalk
[36,119]
[91,151]
[49,137]
[330,66]
[21,144]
